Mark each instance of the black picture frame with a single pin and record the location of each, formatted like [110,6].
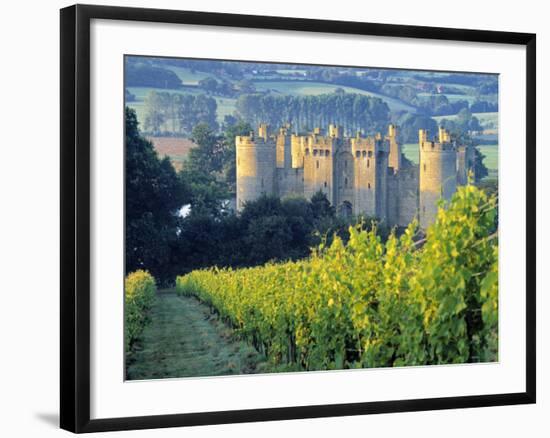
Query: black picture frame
[75,217]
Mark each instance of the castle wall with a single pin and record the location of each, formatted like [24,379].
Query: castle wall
[284,152]
[393,199]
[290,182]
[344,179]
[437,178]
[256,163]
[381,188]
[403,196]
[318,167]
[363,151]
[394,157]
[297,146]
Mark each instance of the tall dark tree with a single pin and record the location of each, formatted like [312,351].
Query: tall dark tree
[154,194]
[409,124]
[209,155]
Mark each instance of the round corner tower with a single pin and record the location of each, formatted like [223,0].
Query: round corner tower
[437,174]
[256,163]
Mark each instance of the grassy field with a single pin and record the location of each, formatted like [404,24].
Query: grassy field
[491,159]
[487,120]
[410,150]
[142,92]
[226,105]
[184,339]
[307,88]
[490,151]
[290,71]
[187,76]
[451,97]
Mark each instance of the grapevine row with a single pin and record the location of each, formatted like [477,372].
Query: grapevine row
[369,303]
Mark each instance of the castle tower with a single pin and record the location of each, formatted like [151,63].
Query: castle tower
[319,165]
[297,146]
[284,148]
[444,136]
[394,157]
[335,131]
[263,131]
[256,164]
[370,175]
[437,174]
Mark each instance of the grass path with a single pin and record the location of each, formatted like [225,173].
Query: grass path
[185,340]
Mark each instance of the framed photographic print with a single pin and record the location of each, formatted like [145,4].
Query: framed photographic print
[269,218]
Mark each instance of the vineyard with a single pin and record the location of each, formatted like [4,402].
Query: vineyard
[412,300]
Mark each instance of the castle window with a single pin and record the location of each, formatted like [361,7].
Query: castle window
[368,185]
[317,164]
[358,154]
[424,167]
[325,183]
[370,154]
[364,154]
[345,182]
[327,153]
[368,163]
[314,152]
[307,151]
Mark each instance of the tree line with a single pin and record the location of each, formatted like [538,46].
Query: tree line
[354,112]
[141,74]
[177,113]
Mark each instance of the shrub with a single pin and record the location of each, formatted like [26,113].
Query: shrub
[139,291]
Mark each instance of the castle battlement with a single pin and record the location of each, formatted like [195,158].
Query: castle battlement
[434,146]
[359,175]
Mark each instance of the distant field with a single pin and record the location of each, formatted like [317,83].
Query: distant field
[225,105]
[490,151]
[410,150]
[291,71]
[142,92]
[491,159]
[176,148]
[451,97]
[487,120]
[307,88]
[189,77]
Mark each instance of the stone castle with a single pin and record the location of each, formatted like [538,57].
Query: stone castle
[359,175]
